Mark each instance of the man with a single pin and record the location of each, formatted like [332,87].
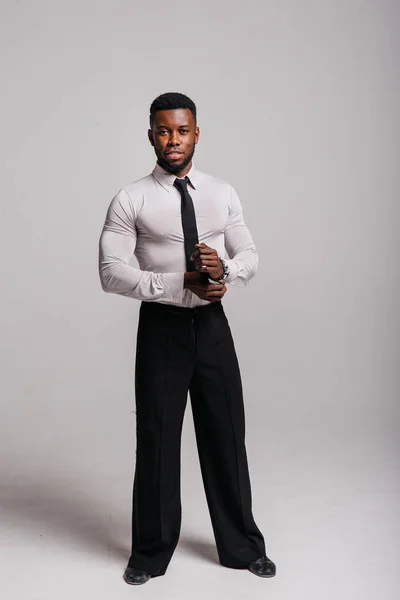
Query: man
[178,222]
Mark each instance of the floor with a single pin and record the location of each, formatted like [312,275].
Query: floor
[326,502]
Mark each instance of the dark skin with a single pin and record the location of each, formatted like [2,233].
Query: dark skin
[174,135]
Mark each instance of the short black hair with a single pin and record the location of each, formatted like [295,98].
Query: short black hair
[172,101]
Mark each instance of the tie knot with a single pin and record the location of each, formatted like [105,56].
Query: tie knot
[181,184]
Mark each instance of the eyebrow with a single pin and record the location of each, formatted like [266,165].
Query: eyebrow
[166,126]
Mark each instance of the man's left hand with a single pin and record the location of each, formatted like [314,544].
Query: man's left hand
[207,261]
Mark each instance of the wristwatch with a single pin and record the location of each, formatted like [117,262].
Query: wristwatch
[224,275]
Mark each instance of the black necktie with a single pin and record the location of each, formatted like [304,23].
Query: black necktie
[189,225]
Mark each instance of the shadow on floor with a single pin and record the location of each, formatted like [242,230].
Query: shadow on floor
[68,511]
[73,512]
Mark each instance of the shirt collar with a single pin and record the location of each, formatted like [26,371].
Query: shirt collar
[167,179]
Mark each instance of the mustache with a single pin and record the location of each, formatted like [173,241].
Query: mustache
[173,169]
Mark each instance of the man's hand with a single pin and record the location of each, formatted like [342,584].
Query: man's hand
[207,261]
[197,283]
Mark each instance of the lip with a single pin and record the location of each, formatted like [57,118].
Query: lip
[174,154]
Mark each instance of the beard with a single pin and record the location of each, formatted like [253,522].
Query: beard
[175,168]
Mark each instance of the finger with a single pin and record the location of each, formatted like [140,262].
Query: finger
[206,267]
[207,251]
[221,295]
[214,287]
[216,294]
[209,261]
[210,265]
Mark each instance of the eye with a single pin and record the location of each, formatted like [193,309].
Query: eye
[162,131]
[184,131]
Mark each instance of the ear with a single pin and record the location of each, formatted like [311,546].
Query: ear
[151,138]
[196,135]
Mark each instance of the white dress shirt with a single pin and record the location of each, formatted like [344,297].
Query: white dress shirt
[144,220]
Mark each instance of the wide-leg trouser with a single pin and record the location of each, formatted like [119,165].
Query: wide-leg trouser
[181,350]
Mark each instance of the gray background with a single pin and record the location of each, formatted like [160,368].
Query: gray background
[298,108]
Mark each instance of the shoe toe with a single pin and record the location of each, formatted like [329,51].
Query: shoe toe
[135,576]
[263,567]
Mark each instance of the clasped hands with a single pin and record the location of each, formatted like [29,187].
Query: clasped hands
[207,264]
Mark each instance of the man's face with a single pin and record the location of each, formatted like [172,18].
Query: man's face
[174,135]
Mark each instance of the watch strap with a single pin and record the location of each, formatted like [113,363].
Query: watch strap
[222,278]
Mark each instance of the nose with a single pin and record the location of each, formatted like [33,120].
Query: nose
[173,139]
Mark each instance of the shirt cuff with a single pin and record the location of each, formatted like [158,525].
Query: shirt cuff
[173,287]
[233,271]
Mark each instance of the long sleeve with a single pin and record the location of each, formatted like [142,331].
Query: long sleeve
[116,248]
[243,257]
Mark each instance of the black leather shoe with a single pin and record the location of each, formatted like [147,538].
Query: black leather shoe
[135,576]
[263,567]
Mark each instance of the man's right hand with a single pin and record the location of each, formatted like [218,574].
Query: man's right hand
[198,284]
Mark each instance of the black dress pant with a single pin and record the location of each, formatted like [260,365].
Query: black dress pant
[181,350]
